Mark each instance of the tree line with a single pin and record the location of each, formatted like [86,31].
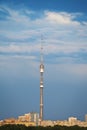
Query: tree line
[23,127]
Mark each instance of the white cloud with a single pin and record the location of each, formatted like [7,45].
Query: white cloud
[19,48]
[61,18]
[20,35]
[62,32]
[17,16]
[52,48]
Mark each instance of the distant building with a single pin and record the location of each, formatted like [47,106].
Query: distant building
[86,118]
[27,117]
[25,123]
[21,118]
[34,117]
[1,122]
[47,123]
[9,121]
[30,117]
[72,120]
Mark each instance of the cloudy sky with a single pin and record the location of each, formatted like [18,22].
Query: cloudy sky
[63,24]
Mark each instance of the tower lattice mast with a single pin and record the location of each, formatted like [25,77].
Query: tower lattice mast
[41,82]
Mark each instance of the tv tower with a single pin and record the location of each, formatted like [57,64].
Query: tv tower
[41,82]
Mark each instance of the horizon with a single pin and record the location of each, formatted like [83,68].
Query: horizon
[44,119]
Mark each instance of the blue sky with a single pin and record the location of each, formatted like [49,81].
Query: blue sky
[63,25]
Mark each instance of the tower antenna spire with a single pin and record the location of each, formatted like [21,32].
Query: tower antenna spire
[41,81]
[41,48]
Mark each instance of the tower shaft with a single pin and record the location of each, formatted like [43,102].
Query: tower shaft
[41,84]
[41,97]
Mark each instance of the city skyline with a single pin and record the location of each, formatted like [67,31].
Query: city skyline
[64,29]
[33,119]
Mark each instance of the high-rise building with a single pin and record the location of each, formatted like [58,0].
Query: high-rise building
[41,83]
[29,117]
[34,117]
